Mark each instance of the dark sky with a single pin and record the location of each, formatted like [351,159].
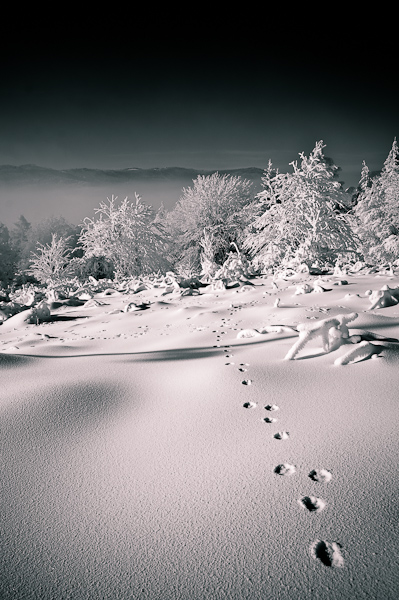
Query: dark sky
[195,88]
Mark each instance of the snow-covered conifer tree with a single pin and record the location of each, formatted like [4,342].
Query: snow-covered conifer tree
[365,180]
[304,216]
[7,256]
[377,211]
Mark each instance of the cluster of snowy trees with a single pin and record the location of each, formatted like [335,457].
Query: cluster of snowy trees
[376,214]
[302,216]
[18,245]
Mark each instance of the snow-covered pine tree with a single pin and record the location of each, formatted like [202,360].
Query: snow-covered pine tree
[304,218]
[364,212]
[262,239]
[7,257]
[377,211]
[365,180]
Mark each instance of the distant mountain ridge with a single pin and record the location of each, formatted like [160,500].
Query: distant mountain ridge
[33,174]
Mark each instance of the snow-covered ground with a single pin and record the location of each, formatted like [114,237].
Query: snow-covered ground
[138,460]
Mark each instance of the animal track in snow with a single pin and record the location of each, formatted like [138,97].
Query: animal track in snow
[249,405]
[269,420]
[271,407]
[285,469]
[329,553]
[312,503]
[281,435]
[322,476]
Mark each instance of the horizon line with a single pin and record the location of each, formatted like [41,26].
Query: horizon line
[127,168]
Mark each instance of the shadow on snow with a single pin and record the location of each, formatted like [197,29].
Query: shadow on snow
[171,354]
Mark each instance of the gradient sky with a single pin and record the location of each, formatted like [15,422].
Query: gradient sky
[196,90]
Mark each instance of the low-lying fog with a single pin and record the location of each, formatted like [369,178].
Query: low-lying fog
[75,202]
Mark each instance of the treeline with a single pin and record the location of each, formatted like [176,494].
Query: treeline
[18,243]
[301,216]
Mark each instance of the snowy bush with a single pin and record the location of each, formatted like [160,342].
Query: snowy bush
[235,267]
[304,215]
[188,266]
[128,236]
[98,267]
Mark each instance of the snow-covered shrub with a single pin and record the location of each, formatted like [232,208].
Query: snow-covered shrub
[188,266]
[128,236]
[304,215]
[98,267]
[235,267]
